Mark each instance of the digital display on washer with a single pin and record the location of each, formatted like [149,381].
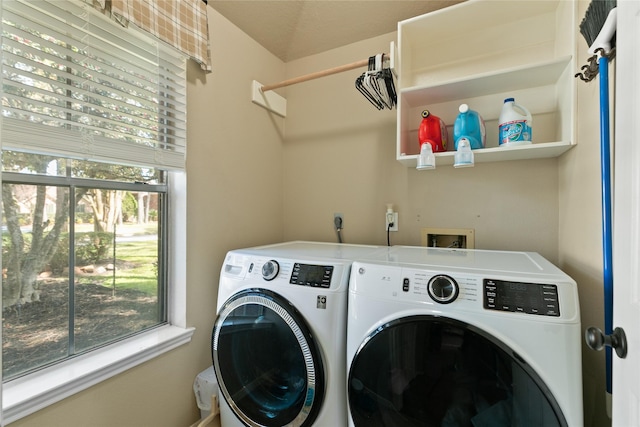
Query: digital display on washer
[530,298]
[311,275]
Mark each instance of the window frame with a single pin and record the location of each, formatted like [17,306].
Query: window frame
[27,394]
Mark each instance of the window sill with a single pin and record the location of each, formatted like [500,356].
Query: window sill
[28,394]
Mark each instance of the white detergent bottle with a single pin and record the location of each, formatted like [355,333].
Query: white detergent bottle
[514,125]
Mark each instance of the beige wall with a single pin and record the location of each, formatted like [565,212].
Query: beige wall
[234,166]
[246,188]
[340,157]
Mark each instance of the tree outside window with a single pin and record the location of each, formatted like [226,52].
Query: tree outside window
[80,261]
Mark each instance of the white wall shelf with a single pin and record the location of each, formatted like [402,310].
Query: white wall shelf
[523,49]
[499,154]
[516,78]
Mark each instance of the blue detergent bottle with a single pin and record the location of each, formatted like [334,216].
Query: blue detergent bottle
[469,125]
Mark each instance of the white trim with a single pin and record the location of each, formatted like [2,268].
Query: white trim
[625,396]
[26,395]
[177,249]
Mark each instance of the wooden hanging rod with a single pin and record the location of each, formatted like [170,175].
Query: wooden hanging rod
[263,96]
[318,74]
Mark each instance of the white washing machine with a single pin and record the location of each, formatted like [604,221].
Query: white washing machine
[444,337]
[279,341]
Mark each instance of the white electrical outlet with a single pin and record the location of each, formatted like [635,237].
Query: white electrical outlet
[391,217]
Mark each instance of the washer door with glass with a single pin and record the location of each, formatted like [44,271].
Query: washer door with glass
[434,371]
[266,361]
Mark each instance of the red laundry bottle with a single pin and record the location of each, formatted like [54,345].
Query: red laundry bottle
[433,131]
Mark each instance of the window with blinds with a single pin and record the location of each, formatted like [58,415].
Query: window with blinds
[93,122]
[79,85]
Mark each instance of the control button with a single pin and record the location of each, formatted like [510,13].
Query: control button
[443,289]
[405,284]
[270,270]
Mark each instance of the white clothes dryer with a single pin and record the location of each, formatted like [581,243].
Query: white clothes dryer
[279,341]
[450,337]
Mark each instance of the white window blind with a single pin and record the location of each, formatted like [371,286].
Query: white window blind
[79,85]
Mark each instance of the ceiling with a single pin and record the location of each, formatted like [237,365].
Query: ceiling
[293,29]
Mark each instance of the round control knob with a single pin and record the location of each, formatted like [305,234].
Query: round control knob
[270,270]
[443,289]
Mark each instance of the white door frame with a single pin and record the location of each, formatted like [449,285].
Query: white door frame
[626,236]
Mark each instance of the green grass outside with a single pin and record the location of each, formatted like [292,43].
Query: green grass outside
[125,229]
[143,276]
[136,266]
[137,261]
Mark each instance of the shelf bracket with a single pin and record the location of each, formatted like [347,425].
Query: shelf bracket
[269,100]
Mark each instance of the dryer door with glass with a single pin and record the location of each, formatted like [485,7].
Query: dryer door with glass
[266,361]
[436,371]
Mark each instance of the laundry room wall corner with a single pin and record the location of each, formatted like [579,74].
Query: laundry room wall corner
[580,238]
[234,166]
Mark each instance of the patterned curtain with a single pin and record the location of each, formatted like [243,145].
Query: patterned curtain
[180,23]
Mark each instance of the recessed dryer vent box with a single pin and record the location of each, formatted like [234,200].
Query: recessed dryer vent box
[448,237]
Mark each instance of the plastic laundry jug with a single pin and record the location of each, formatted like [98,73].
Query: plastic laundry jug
[432,131]
[514,124]
[470,126]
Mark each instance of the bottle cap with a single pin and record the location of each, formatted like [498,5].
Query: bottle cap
[426,159]
[463,108]
[509,100]
[464,156]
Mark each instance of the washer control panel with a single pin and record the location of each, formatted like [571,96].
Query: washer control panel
[440,288]
[529,298]
[317,276]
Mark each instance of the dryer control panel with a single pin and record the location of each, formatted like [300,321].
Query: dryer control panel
[530,298]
